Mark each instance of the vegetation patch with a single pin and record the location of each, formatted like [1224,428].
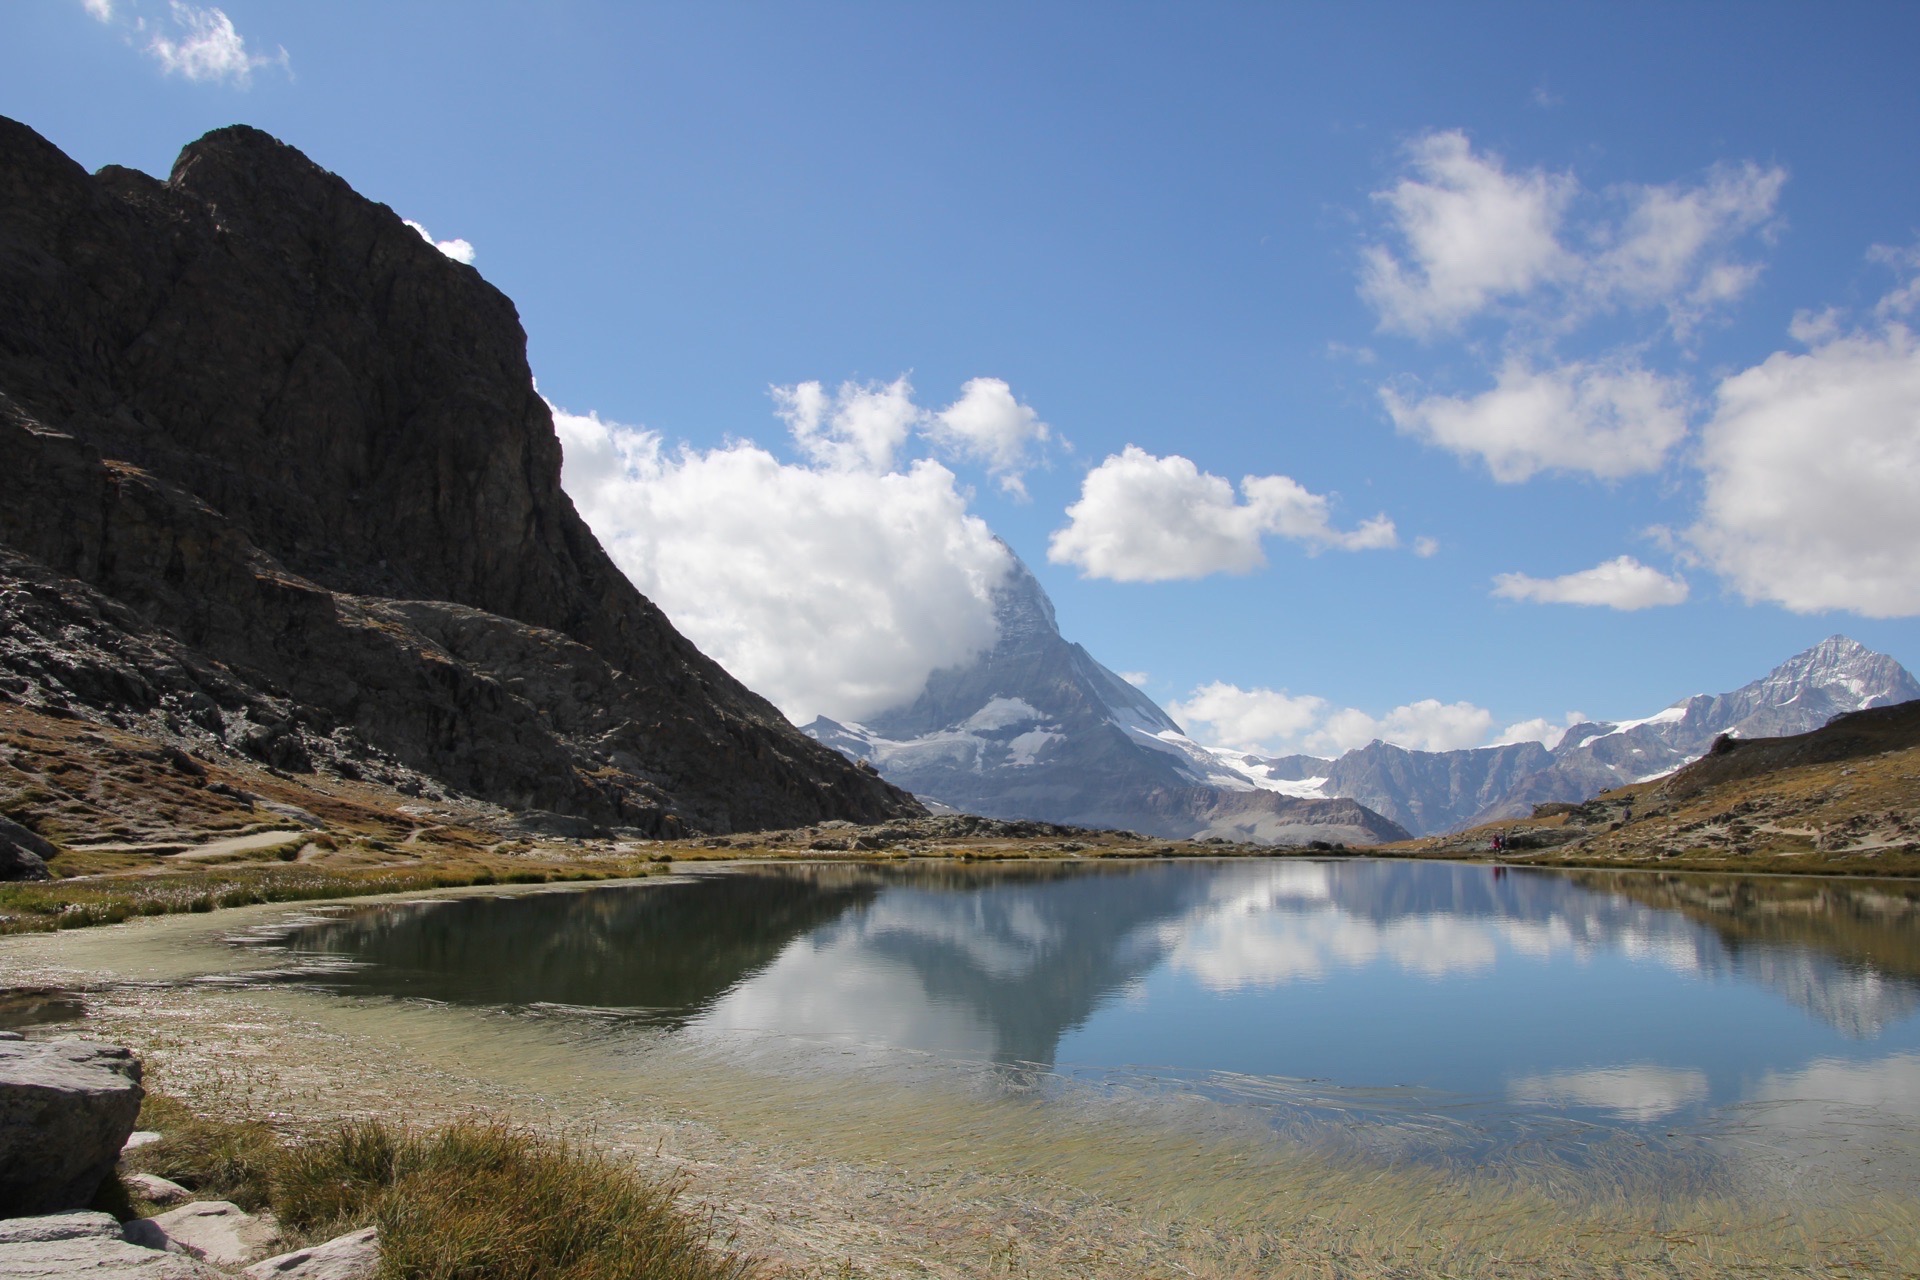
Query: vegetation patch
[478,1199]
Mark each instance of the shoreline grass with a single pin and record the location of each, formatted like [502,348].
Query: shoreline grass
[478,1198]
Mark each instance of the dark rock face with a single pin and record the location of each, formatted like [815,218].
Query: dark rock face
[1036,728]
[277,476]
[66,1106]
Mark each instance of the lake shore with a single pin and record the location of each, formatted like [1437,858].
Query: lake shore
[817,1178]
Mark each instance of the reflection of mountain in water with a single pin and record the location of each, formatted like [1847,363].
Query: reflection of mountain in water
[1848,955]
[672,948]
[1846,952]
[987,964]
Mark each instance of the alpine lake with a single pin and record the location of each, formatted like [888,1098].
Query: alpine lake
[1634,1041]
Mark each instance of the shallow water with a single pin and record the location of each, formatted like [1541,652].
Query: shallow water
[1435,1011]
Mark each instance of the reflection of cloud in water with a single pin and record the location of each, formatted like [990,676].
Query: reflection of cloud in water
[1642,1092]
[1835,1118]
[834,987]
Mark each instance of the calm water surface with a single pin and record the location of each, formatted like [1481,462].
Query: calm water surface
[1483,1005]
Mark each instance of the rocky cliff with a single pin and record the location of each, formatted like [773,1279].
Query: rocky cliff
[278,481]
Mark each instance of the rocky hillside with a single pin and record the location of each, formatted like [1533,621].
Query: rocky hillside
[279,484]
[1036,728]
[1841,798]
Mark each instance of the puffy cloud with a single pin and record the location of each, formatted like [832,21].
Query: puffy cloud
[1142,518]
[1540,729]
[102,10]
[1620,583]
[828,588]
[1426,725]
[1274,722]
[1673,247]
[1473,234]
[458,250]
[987,424]
[1248,719]
[1811,464]
[1426,548]
[1138,679]
[205,48]
[860,427]
[1606,420]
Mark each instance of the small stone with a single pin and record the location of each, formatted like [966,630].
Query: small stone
[155,1189]
[137,1139]
[215,1230]
[348,1257]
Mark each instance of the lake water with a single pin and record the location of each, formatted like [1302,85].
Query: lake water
[1430,1010]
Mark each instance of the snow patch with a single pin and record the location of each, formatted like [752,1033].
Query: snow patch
[1002,713]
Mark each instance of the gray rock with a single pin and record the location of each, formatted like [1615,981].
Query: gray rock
[348,1257]
[214,1230]
[23,854]
[138,1139]
[89,1245]
[155,1189]
[66,1108]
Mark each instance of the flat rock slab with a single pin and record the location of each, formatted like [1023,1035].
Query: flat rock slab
[216,1230]
[86,1245]
[348,1257]
[66,1108]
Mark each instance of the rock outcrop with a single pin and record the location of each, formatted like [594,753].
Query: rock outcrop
[279,483]
[23,853]
[66,1107]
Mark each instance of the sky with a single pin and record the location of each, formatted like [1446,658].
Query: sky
[1436,373]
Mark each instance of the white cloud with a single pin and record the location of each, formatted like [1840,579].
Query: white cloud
[458,250]
[1672,248]
[1138,679]
[1540,729]
[987,424]
[860,427]
[1426,548]
[1475,237]
[1906,296]
[102,10]
[829,588]
[1247,719]
[207,47]
[1142,518]
[1811,464]
[1426,725]
[1274,722]
[1473,233]
[1621,583]
[1608,420]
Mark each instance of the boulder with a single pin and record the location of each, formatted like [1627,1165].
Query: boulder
[23,853]
[66,1108]
[86,1245]
[348,1257]
[214,1230]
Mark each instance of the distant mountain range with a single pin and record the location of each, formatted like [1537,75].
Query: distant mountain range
[1037,728]
[1435,791]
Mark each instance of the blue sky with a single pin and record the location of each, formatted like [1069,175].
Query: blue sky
[1538,287]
